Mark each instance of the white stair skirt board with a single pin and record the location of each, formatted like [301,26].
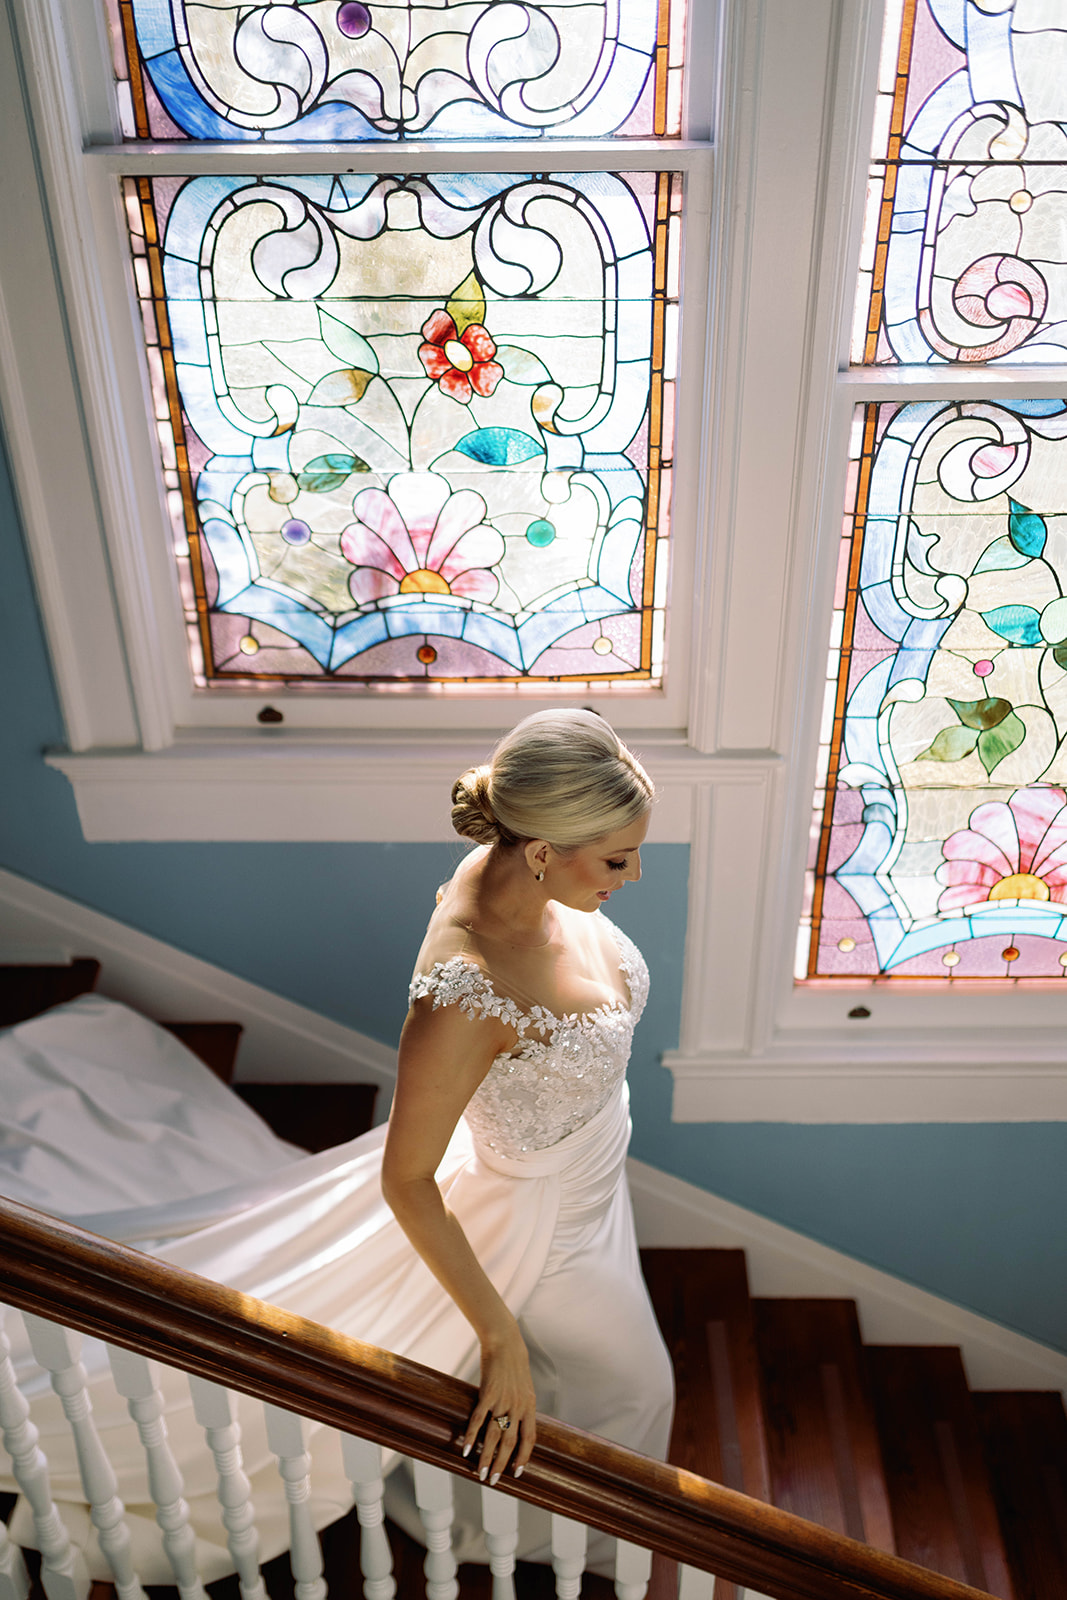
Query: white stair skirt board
[282,1041]
[672,1214]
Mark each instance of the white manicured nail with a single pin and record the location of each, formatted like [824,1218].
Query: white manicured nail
[482,1474]
[519,1471]
[467,1448]
[494,1480]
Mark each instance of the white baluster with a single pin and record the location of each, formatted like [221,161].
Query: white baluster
[363,1467]
[569,1541]
[58,1351]
[500,1520]
[633,1568]
[216,1411]
[287,1437]
[696,1585]
[137,1382]
[433,1496]
[63,1573]
[14,1579]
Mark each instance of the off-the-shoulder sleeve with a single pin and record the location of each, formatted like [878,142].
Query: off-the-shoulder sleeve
[460,983]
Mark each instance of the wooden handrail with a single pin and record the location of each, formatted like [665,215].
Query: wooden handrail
[95,1286]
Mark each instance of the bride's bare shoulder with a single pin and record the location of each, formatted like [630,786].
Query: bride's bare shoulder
[449,931]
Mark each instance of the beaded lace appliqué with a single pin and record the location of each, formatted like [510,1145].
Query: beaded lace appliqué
[563,1070]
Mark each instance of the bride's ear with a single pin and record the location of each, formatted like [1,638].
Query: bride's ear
[537,852]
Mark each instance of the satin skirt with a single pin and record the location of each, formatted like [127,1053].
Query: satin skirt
[554,1232]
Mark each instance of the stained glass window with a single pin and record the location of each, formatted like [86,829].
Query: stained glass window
[416,427]
[392,69]
[940,836]
[965,244]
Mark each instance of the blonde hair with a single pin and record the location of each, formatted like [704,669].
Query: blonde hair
[564,776]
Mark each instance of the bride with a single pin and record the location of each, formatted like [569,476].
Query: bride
[503,1164]
[522,1011]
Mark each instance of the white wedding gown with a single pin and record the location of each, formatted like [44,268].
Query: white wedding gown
[535,1173]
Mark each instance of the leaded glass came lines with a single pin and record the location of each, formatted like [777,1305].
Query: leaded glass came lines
[965,245]
[939,846]
[418,427]
[393,69]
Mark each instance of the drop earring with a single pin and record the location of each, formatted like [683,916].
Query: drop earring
[540,876]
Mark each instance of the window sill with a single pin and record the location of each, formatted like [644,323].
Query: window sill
[986,1076]
[279,785]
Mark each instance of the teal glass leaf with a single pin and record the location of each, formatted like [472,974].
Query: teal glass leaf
[1017,624]
[996,743]
[1000,556]
[981,714]
[346,344]
[951,744]
[1026,530]
[499,447]
[520,366]
[329,472]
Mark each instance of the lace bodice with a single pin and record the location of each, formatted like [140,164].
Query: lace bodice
[563,1069]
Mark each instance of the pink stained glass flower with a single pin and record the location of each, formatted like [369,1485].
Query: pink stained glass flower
[1013,850]
[420,538]
[460,364]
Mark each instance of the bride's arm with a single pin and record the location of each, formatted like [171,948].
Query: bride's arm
[443,1058]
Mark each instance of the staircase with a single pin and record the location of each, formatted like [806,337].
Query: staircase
[779,1399]
[782,1399]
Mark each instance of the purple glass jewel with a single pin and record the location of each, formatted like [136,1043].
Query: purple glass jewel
[353,19]
[295,532]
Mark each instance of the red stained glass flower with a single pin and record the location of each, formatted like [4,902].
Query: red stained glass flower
[461,364]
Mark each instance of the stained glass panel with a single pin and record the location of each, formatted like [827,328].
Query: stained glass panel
[939,841]
[415,427]
[396,69]
[965,243]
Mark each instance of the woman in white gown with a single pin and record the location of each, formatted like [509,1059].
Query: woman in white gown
[504,1166]
[523,1008]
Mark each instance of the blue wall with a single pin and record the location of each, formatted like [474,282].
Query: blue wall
[977,1213]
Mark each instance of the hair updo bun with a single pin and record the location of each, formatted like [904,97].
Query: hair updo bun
[564,776]
[472,809]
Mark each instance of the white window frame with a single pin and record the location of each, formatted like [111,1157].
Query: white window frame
[767,399]
[83,158]
[754,1046]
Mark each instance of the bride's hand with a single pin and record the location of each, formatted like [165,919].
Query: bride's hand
[506,1391]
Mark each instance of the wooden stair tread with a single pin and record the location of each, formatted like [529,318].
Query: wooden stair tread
[26,991]
[1025,1438]
[702,1303]
[944,1514]
[825,1459]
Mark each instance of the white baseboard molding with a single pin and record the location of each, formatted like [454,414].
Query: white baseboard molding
[282,1041]
[673,1214]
